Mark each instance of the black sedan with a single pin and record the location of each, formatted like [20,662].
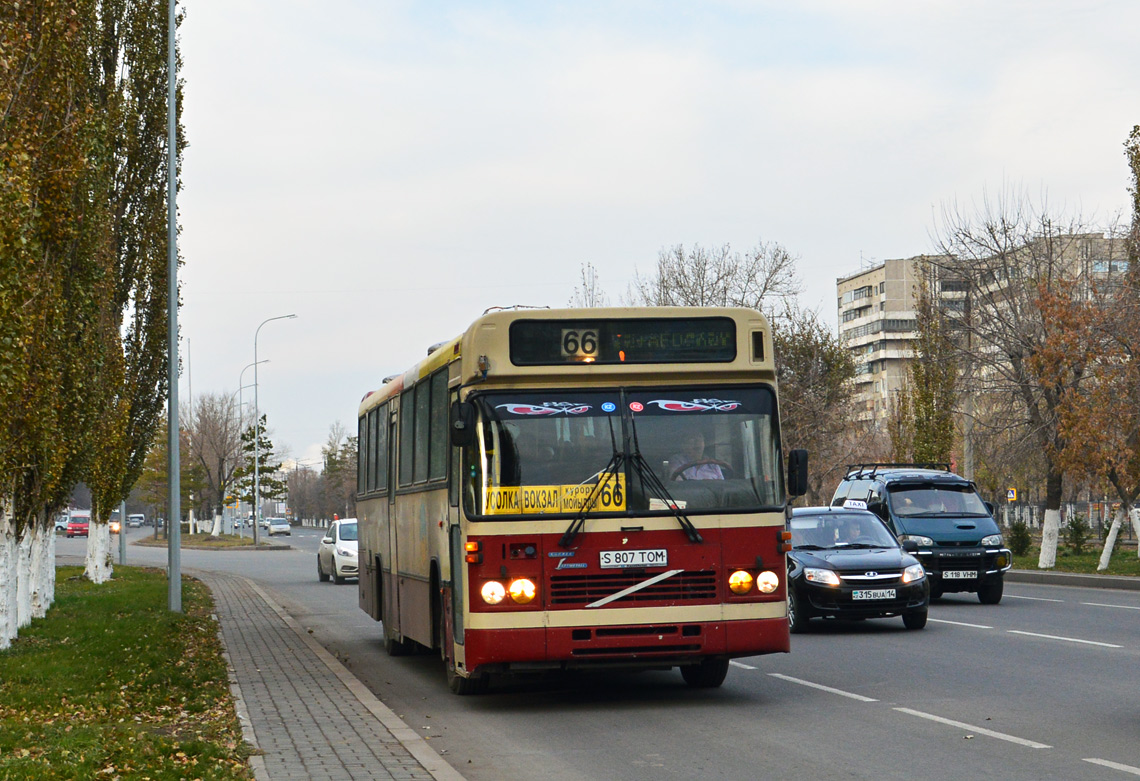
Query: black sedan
[845,563]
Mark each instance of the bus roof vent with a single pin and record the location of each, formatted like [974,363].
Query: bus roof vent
[436,346]
[389,378]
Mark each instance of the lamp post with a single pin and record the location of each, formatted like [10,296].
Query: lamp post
[257,435]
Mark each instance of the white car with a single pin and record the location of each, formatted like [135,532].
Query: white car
[338,552]
[278,526]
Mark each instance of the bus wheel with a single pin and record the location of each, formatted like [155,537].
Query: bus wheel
[476,684]
[396,647]
[708,674]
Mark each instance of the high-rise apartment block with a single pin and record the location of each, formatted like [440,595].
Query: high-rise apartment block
[877,323]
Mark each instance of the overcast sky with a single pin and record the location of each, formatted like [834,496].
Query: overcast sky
[389,170]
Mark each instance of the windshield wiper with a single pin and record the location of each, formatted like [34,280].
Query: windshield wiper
[650,478]
[611,468]
[808,547]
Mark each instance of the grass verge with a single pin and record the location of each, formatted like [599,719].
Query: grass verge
[1123,561]
[111,684]
[203,541]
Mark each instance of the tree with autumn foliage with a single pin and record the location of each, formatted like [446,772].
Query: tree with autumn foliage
[921,425]
[1010,252]
[82,256]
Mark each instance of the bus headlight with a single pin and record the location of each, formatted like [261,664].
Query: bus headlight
[740,582]
[522,590]
[493,592]
[767,581]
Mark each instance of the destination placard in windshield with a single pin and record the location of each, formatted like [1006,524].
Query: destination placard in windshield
[640,340]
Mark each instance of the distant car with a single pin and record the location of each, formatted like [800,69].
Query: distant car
[337,555]
[61,522]
[136,520]
[79,524]
[278,526]
[845,563]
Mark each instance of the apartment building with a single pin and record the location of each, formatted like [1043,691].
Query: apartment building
[877,304]
[877,324]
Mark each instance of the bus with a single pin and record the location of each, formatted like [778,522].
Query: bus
[580,488]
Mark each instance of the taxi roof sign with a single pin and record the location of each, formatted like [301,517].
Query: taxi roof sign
[854,504]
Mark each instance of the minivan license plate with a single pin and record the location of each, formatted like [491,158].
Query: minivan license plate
[618,559]
[874,593]
[959,574]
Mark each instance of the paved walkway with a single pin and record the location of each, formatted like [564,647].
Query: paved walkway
[307,714]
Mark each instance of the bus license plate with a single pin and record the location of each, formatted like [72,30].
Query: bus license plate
[875,593]
[959,574]
[618,559]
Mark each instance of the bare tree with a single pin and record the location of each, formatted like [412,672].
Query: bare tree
[762,278]
[1007,253]
[814,371]
[215,445]
[340,454]
[589,293]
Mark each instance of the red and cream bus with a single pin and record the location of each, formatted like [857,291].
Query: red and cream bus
[560,489]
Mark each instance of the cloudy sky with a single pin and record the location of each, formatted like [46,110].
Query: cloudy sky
[389,170]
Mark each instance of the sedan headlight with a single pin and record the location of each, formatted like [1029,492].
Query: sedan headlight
[913,573]
[918,539]
[346,552]
[824,577]
[993,539]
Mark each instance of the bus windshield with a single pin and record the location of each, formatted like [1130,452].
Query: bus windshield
[713,450]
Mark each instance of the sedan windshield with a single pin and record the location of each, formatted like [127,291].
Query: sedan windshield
[916,499]
[827,531]
[711,449]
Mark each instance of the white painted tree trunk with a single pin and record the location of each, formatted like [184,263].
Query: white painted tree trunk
[43,571]
[24,583]
[1050,530]
[1110,540]
[216,529]
[8,626]
[1135,515]
[98,565]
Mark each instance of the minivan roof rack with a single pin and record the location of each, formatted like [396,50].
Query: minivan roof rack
[869,470]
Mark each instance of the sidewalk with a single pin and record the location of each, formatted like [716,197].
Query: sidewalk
[307,714]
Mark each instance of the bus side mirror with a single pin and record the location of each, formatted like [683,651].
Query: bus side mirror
[462,423]
[797,472]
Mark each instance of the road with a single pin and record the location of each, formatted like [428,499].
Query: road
[1042,686]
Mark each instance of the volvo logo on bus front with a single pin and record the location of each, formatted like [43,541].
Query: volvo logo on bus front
[872,574]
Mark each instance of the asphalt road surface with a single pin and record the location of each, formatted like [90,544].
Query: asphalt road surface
[1042,686]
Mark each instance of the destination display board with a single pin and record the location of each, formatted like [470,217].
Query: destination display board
[540,499]
[624,340]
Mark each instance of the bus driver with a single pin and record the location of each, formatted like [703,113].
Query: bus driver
[691,463]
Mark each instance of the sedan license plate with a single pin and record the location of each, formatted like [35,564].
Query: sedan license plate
[959,574]
[618,559]
[873,593]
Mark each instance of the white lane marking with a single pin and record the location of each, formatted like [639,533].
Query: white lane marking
[1114,765]
[1066,639]
[972,728]
[959,623]
[1035,599]
[1101,604]
[821,687]
[741,665]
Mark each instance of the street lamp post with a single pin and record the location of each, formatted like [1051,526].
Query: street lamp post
[241,416]
[257,436]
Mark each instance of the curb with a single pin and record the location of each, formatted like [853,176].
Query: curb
[1051,578]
